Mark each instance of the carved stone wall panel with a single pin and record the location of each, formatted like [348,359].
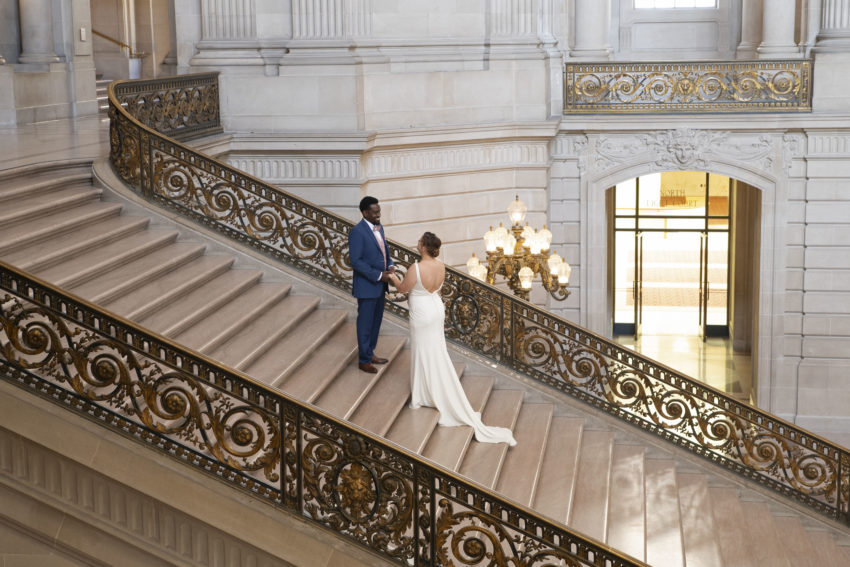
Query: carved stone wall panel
[828,144]
[511,18]
[330,19]
[228,19]
[281,169]
[421,161]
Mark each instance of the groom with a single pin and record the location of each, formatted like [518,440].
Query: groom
[370,259]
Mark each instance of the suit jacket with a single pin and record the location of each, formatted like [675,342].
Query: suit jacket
[367,261]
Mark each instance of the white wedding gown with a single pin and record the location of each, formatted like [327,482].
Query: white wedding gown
[433,381]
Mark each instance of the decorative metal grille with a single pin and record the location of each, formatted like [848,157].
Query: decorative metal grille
[700,86]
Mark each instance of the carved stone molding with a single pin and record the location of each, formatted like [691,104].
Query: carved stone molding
[421,161]
[569,146]
[828,144]
[682,149]
[299,169]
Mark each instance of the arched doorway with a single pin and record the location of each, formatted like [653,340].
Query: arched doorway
[683,273]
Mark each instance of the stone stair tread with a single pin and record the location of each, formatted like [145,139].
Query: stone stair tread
[308,380]
[664,546]
[385,401]
[169,289]
[627,504]
[45,252]
[79,268]
[698,531]
[732,536]
[199,302]
[826,552]
[558,472]
[351,386]
[302,335]
[447,445]
[220,324]
[413,428]
[589,512]
[25,186]
[795,539]
[518,479]
[765,541]
[42,203]
[253,340]
[53,224]
[483,462]
[117,281]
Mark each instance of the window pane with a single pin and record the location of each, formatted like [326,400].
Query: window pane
[624,277]
[625,197]
[626,223]
[718,195]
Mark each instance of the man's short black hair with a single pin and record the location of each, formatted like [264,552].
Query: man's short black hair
[367,202]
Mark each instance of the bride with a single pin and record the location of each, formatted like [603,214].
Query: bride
[433,381]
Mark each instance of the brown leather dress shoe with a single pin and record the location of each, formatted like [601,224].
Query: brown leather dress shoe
[367,367]
[379,360]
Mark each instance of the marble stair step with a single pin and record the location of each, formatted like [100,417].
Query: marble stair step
[222,323]
[13,235]
[303,337]
[698,530]
[80,268]
[447,445]
[589,512]
[627,504]
[351,386]
[826,552]
[199,302]
[732,534]
[765,540]
[520,474]
[297,313]
[128,277]
[47,252]
[558,472]
[25,186]
[795,540]
[169,289]
[46,203]
[664,547]
[308,380]
[386,400]
[413,428]
[482,462]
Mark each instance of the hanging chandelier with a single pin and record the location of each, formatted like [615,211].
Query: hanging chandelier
[520,255]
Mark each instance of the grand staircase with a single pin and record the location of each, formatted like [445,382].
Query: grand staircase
[597,477]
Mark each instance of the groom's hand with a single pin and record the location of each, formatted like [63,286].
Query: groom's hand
[385,276]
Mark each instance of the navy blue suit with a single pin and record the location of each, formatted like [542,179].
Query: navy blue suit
[368,262]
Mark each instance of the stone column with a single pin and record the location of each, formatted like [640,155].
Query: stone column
[751,20]
[36,31]
[778,30]
[834,27]
[591,31]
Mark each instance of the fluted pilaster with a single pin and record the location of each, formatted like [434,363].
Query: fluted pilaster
[834,32]
[36,17]
[330,19]
[513,18]
[751,24]
[778,19]
[228,19]
[591,31]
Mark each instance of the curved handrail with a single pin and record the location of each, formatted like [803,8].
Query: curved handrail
[130,51]
[773,452]
[290,454]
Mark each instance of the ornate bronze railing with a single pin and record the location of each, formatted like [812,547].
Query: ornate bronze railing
[688,87]
[495,324]
[256,439]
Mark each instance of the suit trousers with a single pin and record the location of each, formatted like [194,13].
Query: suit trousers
[370,313]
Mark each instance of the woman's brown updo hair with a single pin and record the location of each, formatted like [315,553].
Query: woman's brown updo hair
[431,243]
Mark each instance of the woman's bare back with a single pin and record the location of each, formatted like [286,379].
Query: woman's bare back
[433,273]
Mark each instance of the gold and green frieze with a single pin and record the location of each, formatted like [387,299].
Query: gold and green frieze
[688,87]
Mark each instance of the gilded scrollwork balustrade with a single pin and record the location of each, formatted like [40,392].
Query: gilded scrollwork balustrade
[258,440]
[494,324]
[688,87]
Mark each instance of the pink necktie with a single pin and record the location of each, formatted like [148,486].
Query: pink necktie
[380,243]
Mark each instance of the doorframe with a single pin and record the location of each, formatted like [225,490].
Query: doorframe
[768,355]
